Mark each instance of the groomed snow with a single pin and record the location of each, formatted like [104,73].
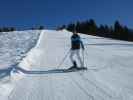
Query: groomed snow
[109,74]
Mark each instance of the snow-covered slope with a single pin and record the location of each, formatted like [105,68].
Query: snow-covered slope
[109,74]
[14,45]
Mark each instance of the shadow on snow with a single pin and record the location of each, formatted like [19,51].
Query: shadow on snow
[5,72]
[52,71]
[16,69]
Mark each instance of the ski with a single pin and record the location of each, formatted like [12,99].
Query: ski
[75,69]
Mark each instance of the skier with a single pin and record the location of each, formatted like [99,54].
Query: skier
[76,44]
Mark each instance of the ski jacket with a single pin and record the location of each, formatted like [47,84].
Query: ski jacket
[76,42]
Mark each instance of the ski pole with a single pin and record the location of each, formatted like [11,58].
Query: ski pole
[63,59]
[83,58]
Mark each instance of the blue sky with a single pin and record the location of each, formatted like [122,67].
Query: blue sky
[52,13]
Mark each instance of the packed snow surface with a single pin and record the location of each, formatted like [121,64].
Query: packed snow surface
[109,74]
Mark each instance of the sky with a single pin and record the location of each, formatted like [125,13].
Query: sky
[53,13]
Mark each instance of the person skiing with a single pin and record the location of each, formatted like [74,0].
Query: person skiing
[76,45]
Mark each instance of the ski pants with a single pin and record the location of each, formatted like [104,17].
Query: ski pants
[77,53]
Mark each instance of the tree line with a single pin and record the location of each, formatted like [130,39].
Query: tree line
[10,29]
[7,29]
[116,31]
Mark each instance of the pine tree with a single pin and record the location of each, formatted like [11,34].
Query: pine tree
[41,27]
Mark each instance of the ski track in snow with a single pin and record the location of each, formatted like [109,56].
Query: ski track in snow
[108,77]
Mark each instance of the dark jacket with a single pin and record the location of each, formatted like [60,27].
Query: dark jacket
[76,42]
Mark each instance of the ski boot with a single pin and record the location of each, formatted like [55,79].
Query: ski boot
[74,67]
